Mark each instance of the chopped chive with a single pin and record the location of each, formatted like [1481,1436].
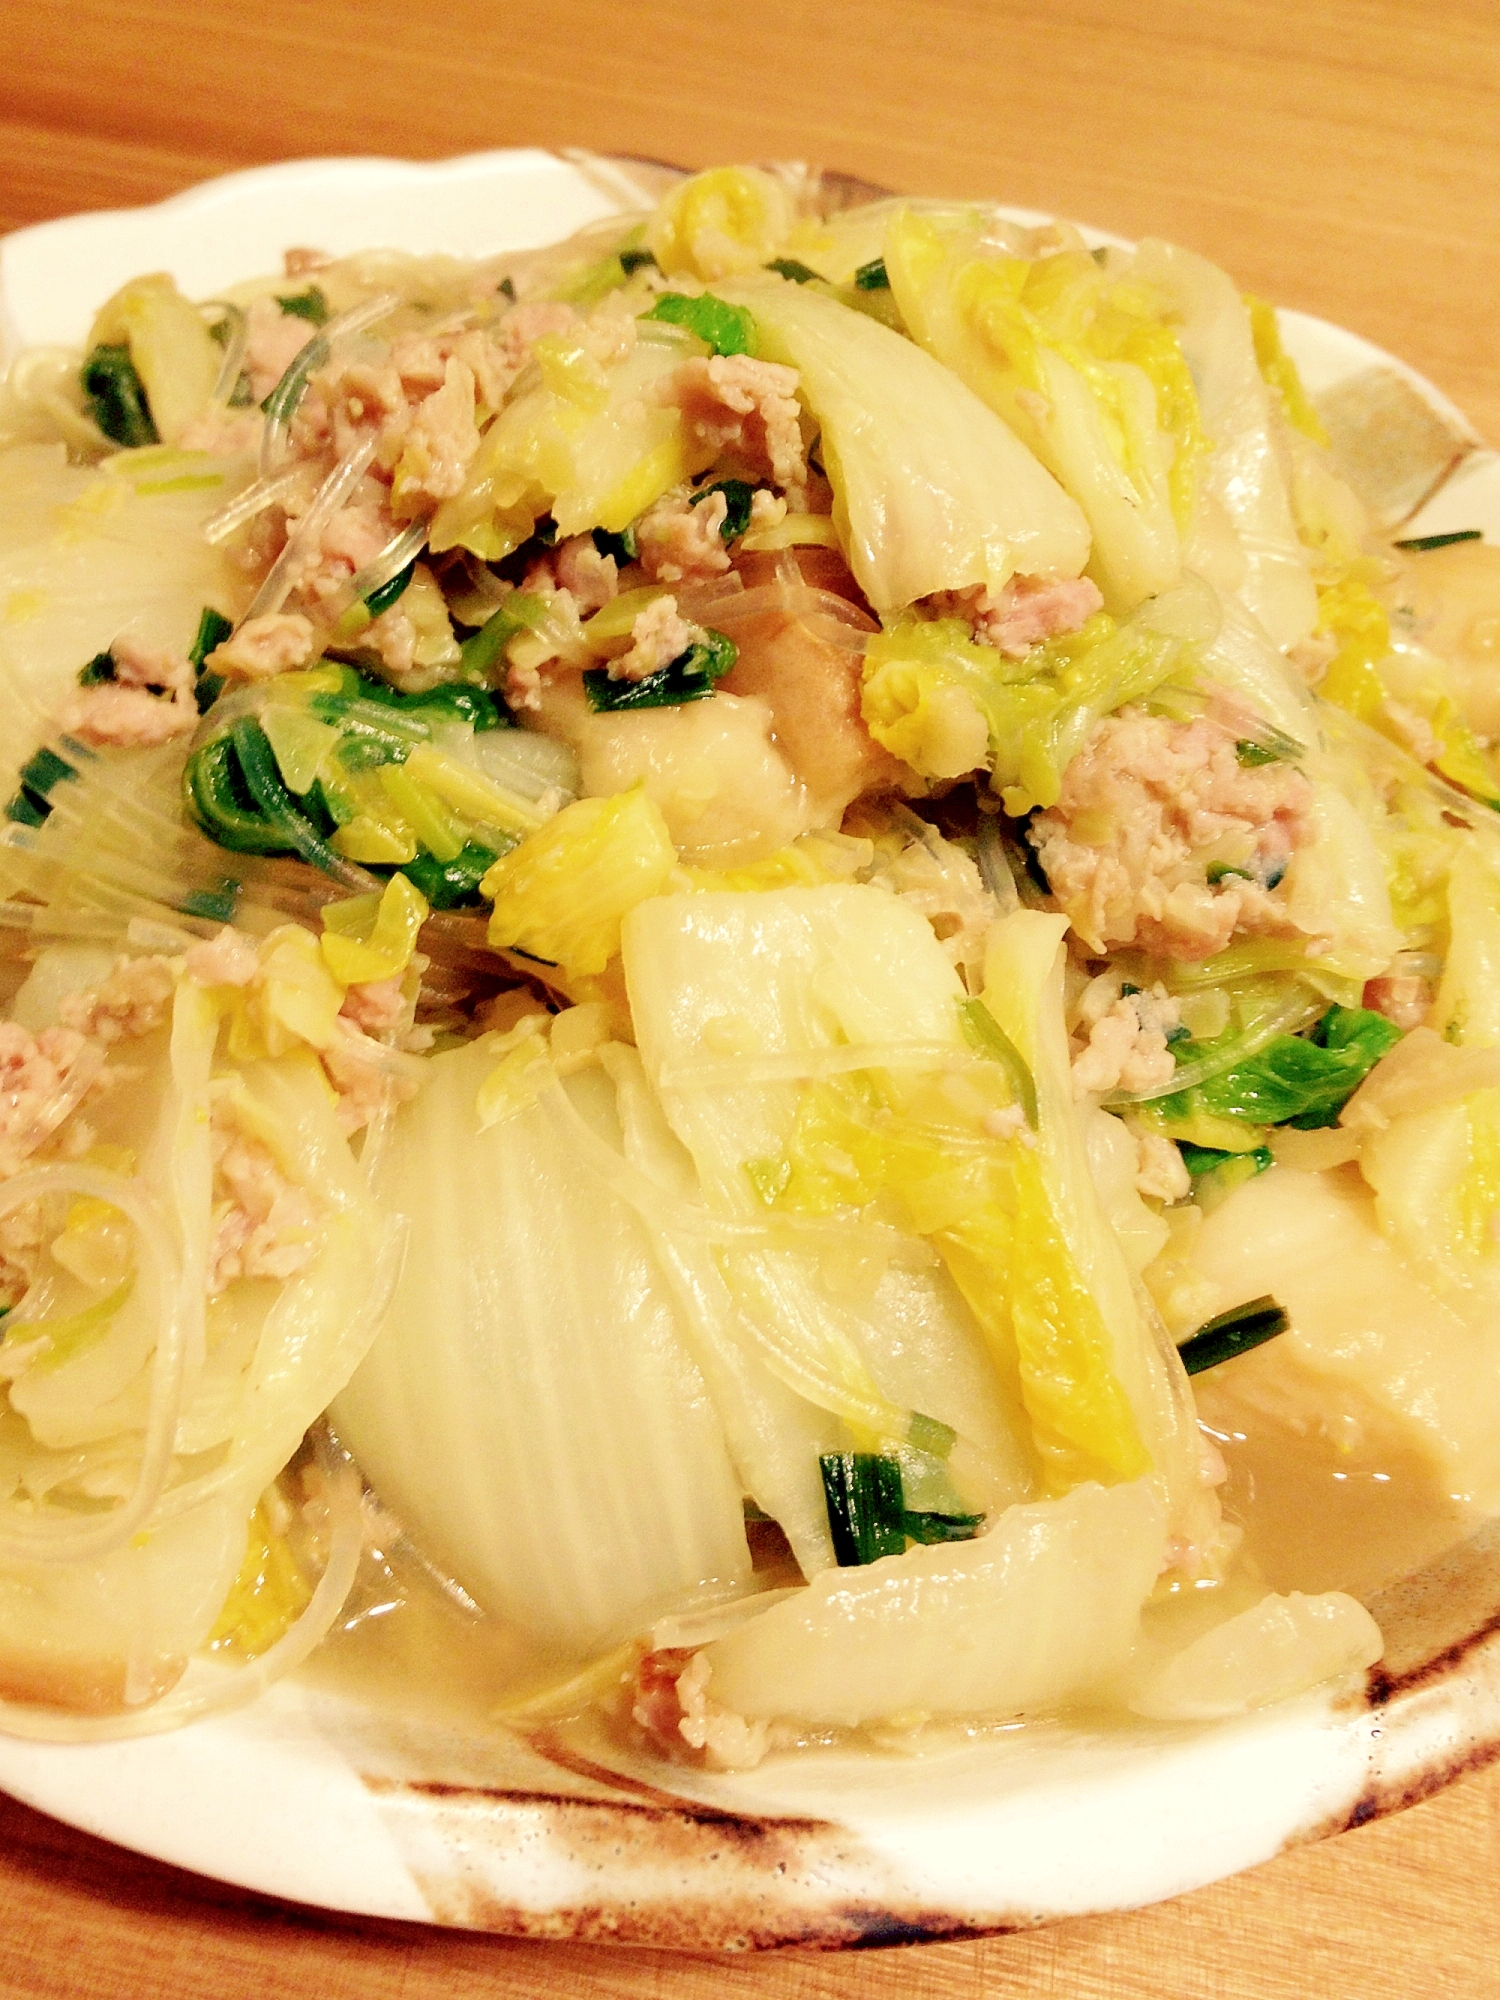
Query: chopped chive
[795,269]
[213,629]
[33,799]
[1234,1332]
[26,809]
[389,593]
[927,1434]
[97,671]
[1421,542]
[739,496]
[43,769]
[623,547]
[632,261]
[257,761]
[1249,753]
[866,1506]
[727,329]
[689,677]
[872,277]
[1221,871]
[217,905]
[482,652]
[116,396]
[929,1528]
[215,793]
[507,288]
[986,1037]
[448,885]
[310,305]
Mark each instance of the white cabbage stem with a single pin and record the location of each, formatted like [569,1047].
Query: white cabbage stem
[225,1478]
[31,1540]
[215,1689]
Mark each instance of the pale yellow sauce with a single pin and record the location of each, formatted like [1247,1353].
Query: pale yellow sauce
[1318,1515]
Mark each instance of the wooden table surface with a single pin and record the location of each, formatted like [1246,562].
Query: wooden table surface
[1342,156]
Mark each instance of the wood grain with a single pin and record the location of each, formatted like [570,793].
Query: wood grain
[1337,155]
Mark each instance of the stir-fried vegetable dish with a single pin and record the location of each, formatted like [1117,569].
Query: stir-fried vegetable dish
[759,931]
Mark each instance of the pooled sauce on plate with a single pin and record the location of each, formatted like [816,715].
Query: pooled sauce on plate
[1322,1514]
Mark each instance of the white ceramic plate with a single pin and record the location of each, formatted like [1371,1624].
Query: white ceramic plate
[331,1799]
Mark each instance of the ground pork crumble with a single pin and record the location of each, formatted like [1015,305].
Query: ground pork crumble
[1404,998]
[45,1078]
[673,1705]
[679,542]
[590,578]
[733,402]
[1126,1046]
[1028,610]
[230,959]
[277,642]
[1160,1173]
[1161,839]
[264,1226]
[658,636]
[150,699]
[42,1079]
[134,1000]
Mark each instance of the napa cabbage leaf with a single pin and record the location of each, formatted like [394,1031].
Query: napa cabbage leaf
[1085,368]
[947,705]
[931,490]
[1242,480]
[530,1405]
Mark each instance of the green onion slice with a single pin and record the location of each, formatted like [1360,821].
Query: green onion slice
[1421,542]
[867,1512]
[689,677]
[727,329]
[986,1037]
[1234,1332]
[866,1506]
